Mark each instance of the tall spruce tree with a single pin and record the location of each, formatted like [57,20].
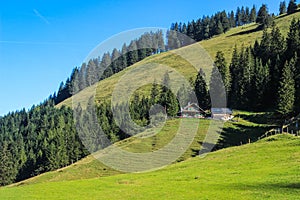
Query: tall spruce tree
[253,14]
[234,71]
[217,90]
[201,90]
[286,91]
[259,85]
[263,17]
[292,7]
[8,170]
[282,8]
[167,99]
[221,64]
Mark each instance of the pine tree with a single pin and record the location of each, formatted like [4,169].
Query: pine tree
[282,8]
[167,99]
[191,29]
[173,40]
[132,53]
[154,93]
[123,62]
[219,28]
[247,15]
[243,16]
[232,19]
[74,81]
[217,89]
[183,96]
[234,72]
[253,14]
[259,85]
[286,91]
[265,47]
[221,64]
[8,169]
[116,64]
[224,21]
[293,40]
[201,90]
[238,17]
[263,17]
[91,75]
[292,7]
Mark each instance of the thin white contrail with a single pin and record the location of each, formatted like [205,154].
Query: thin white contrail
[38,14]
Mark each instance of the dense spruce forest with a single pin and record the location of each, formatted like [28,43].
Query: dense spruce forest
[265,76]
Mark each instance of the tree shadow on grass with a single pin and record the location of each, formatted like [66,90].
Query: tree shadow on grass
[268,118]
[258,28]
[275,186]
[239,135]
[205,148]
[284,15]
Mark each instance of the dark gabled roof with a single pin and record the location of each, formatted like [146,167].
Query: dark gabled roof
[221,111]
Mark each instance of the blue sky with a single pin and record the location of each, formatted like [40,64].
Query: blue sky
[42,41]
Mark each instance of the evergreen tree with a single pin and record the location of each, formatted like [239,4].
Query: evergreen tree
[154,93]
[243,16]
[91,74]
[221,64]
[234,71]
[75,81]
[232,19]
[217,90]
[191,29]
[8,171]
[183,96]
[263,17]
[219,28]
[253,14]
[293,40]
[173,40]
[224,21]
[82,77]
[116,61]
[259,85]
[124,56]
[282,8]
[238,17]
[167,99]
[247,15]
[201,90]
[132,53]
[286,91]
[292,7]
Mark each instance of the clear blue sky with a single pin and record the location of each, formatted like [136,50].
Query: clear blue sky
[41,41]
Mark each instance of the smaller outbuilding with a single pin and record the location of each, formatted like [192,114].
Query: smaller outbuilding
[221,113]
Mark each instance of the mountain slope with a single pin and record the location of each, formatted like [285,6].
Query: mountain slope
[244,35]
[268,169]
[88,167]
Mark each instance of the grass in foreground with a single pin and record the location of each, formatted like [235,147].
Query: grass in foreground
[88,167]
[268,169]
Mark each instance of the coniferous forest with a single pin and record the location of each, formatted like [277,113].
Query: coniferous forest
[262,77]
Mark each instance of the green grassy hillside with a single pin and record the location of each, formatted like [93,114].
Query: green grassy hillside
[268,169]
[246,128]
[197,57]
